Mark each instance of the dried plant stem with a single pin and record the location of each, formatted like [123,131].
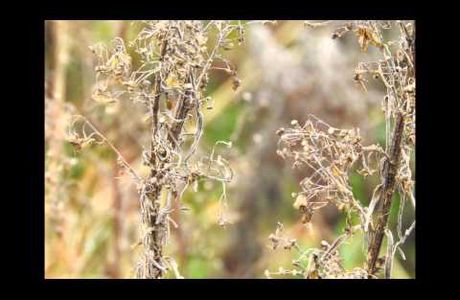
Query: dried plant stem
[390,169]
[121,158]
[152,217]
[152,239]
[155,106]
[182,109]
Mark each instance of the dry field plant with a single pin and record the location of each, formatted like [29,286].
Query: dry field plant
[332,153]
[166,73]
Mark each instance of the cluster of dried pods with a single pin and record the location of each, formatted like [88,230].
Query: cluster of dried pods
[331,154]
[166,69]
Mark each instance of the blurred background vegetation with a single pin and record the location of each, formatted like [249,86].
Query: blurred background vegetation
[287,71]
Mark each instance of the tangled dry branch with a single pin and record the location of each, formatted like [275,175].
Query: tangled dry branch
[331,154]
[166,69]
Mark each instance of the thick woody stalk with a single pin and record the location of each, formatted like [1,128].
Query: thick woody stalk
[390,169]
[152,241]
[153,219]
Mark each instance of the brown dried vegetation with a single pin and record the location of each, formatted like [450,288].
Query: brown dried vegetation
[331,154]
[171,85]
